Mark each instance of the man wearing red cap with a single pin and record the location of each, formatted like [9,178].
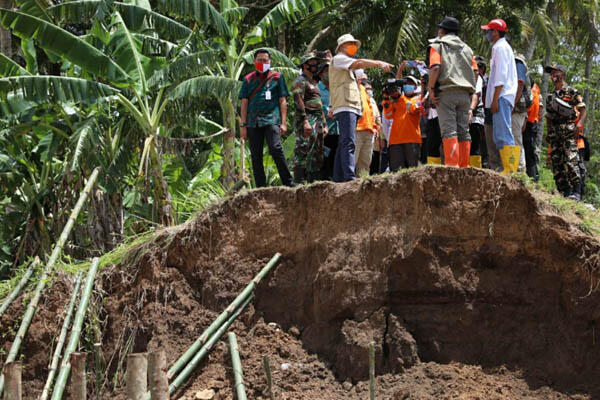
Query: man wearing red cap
[501,93]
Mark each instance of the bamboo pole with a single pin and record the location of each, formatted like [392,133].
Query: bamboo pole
[15,293]
[194,348]
[78,380]
[185,373]
[61,340]
[267,365]
[236,362]
[65,368]
[32,307]
[12,372]
[159,383]
[372,370]
[137,367]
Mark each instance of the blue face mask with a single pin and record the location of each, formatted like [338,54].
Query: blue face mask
[408,89]
[489,35]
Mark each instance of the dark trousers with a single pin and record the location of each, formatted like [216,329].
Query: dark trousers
[476,132]
[343,170]
[423,151]
[404,156]
[257,138]
[529,143]
[380,161]
[331,142]
[434,138]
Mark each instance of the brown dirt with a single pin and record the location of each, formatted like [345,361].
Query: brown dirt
[469,287]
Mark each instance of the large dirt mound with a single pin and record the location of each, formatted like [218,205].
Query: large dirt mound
[469,287]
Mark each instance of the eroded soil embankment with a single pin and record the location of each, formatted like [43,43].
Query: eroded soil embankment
[438,265]
[435,266]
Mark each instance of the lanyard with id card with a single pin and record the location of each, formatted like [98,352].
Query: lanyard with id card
[268,95]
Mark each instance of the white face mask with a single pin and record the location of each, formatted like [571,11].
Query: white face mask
[370,93]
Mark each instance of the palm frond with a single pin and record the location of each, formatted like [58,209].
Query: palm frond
[81,138]
[60,42]
[137,19]
[125,51]
[284,12]
[235,14]
[184,68]
[409,35]
[201,11]
[53,89]
[207,86]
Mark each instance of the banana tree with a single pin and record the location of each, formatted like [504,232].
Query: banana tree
[120,50]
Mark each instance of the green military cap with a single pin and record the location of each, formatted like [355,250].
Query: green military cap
[307,57]
[555,67]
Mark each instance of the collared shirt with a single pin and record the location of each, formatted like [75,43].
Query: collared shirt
[406,117]
[343,61]
[503,72]
[263,111]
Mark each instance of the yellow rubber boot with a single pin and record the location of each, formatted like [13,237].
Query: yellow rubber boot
[475,161]
[434,160]
[510,156]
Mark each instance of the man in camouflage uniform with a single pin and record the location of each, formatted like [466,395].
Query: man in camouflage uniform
[311,123]
[564,107]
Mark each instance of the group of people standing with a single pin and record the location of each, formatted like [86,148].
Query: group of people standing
[456,113]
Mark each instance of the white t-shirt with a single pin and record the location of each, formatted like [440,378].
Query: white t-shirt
[342,61]
[503,72]
[478,115]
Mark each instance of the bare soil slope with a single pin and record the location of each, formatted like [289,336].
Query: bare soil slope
[469,287]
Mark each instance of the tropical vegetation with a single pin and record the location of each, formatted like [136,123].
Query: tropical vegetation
[147,91]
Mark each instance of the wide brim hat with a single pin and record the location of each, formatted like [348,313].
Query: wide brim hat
[450,24]
[346,39]
[555,67]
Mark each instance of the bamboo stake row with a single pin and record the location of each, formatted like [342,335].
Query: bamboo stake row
[15,293]
[32,307]
[236,362]
[186,372]
[197,345]
[65,368]
[61,340]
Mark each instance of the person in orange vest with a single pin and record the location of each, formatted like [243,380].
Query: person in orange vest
[531,132]
[366,128]
[405,135]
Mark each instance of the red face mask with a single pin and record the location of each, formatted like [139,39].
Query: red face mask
[261,66]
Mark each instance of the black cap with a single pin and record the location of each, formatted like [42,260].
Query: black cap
[480,60]
[449,24]
[555,67]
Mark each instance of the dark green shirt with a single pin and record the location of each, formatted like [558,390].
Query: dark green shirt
[263,111]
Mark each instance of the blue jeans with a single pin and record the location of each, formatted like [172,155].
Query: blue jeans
[343,168]
[503,124]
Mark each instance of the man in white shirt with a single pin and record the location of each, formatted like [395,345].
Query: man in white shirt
[346,103]
[501,93]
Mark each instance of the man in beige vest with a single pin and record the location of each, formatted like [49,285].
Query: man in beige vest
[452,82]
[346,103]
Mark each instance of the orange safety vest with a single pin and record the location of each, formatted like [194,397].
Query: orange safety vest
[406,125]
[534,109]
[367,121]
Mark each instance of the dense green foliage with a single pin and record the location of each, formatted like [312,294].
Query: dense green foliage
[147,89]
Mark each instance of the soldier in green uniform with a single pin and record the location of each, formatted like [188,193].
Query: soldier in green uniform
[566,114]
[311,123]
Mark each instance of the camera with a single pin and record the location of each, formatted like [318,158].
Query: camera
[393,85]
